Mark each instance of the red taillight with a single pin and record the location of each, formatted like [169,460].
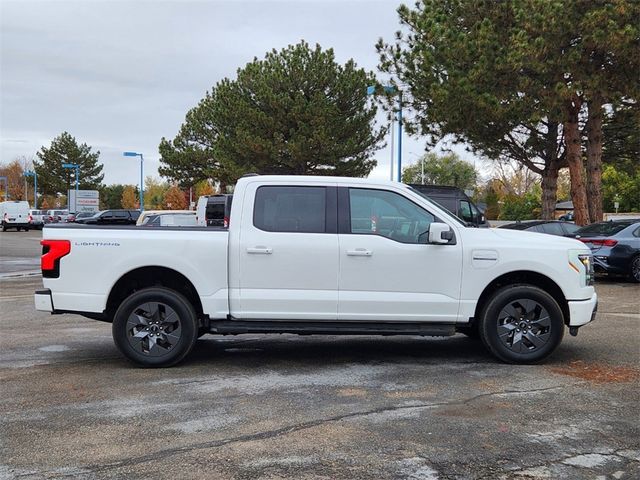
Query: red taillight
[609,242]
[30,218]
[52,252]
[225,222]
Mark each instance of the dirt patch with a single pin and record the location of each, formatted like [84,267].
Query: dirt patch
[352,392]
[598,373]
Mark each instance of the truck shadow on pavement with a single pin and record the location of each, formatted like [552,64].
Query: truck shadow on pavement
[292,349]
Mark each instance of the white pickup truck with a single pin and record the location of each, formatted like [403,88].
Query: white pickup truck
[321,255]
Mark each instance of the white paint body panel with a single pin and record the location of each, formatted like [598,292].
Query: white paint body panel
[309,276]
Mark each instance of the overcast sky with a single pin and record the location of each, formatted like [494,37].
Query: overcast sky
[119,75]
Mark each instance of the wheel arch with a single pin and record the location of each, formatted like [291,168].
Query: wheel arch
[151,276]
[524,277]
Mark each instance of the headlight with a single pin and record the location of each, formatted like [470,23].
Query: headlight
[587,262]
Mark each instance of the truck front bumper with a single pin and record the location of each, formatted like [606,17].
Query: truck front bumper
[43,300]
[582,312]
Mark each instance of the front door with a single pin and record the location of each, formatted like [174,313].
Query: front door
[387,270]
[288,254]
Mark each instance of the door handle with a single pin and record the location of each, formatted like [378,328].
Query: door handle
[359,252]
[260,250]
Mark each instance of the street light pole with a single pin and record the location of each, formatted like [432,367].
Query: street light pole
[76,167]
[136,154]
[400,137]
[34,174]
[371,90]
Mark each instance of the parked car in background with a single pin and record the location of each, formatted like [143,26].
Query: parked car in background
[615,246]
[149,213]
[14,214]
[552,227]
[455,201]
[56,216]
[81,215]
[214,210]
[112,217]
[36,218]
[171,220]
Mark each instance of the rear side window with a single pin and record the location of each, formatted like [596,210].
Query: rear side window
[290,209]
[553,228]
[215,211]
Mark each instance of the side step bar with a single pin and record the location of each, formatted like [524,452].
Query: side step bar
[235,327]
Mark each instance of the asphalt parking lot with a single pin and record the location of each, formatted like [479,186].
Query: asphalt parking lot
[311,407]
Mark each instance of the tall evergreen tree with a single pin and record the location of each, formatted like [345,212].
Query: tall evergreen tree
[297,111]
[513,79]
[54,179]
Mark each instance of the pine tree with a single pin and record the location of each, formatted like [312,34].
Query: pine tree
[54,179]
[297,111]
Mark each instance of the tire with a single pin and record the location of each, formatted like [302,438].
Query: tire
[18,229]
[521,324]
[155,327]
[634,269]
[4,227]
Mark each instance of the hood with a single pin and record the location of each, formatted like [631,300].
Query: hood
[527,239]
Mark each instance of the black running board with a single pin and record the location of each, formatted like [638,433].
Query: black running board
[235,327]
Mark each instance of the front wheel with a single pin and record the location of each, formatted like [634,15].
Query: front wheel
[155,327]
[521,324]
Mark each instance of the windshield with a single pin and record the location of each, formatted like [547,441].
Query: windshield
[453,215]
[602,229]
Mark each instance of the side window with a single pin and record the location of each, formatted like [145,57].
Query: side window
[637,232]
[290,209]
[465,211]
[553,228]
[121,214]
[387,214]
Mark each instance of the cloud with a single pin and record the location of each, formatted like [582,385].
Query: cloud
[121,75]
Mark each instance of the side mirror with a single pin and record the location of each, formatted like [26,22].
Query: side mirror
[440,233]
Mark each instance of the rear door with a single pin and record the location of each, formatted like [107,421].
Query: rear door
[387,270]
[287,262]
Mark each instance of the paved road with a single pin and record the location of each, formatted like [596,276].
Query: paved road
[19,252]
[316,407]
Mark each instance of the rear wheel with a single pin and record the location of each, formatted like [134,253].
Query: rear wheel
[155,327]
[634,272]
[521,324]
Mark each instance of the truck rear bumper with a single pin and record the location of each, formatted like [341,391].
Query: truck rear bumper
[43,300]
[582,312]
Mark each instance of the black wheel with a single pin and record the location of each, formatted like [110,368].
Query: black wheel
[4,227]
[155,327]
[521,324]
[634,270]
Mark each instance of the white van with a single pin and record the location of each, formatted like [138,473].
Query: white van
[15,214]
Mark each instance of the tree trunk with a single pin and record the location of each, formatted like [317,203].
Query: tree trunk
[574,161]
[549,190]
[594,158]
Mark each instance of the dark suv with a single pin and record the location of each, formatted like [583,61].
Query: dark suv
[112,217]
[455,201]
